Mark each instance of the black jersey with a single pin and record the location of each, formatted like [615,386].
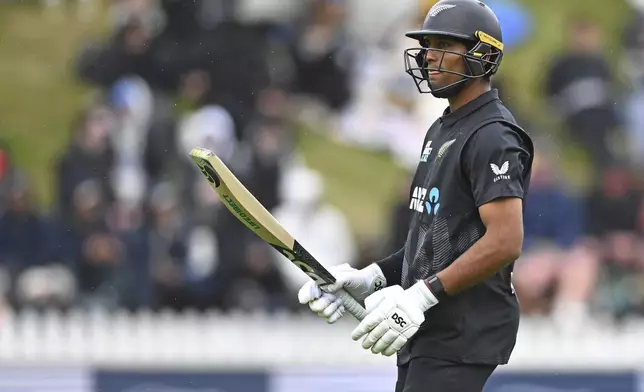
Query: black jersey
[469,157]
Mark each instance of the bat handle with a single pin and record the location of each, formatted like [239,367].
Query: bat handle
[351,305]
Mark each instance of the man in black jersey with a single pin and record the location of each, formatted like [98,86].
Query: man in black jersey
[447,306]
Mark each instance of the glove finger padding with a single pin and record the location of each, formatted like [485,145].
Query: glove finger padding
[332,308]
[371,321]
[335,317]
[384,342]
[325,300]
[375,335]
[337,314]
[395,346]
[309,292]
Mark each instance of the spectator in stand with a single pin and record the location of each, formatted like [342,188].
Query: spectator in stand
[579,88]
[613,212]
[89,156]
[321,56]
[86,243]
[320,227]
[557,272]
[27,254]
[22,226]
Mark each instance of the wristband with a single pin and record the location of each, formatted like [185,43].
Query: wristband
[436,287]
[391,267]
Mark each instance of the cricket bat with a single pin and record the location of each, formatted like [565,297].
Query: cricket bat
[253,214]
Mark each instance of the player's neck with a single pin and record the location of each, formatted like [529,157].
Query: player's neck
[469,93]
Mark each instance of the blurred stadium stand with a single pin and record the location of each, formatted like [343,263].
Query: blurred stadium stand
[121,271]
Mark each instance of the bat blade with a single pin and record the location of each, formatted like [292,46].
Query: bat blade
[248,210]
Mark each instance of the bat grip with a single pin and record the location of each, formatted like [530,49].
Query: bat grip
[351,305]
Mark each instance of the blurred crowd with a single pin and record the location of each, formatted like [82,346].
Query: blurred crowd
[134,225]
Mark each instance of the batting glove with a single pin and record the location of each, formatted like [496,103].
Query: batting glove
[359,283]
[394,316]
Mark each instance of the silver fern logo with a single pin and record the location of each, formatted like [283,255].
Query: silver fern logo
[438,8]
[444,147]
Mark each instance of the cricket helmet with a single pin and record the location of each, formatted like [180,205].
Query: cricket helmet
[469,21]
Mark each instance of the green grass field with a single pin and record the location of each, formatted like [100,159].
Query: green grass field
[39,97]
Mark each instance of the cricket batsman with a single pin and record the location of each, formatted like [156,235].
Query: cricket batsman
[444,303]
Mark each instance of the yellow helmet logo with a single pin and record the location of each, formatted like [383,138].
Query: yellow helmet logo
[488,39]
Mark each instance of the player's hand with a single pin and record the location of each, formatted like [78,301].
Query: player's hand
[393,316]
[359,283]
[325,305]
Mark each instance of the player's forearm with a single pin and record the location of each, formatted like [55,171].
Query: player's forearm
[391,267]
[485,258]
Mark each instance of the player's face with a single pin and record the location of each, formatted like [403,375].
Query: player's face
[442,53]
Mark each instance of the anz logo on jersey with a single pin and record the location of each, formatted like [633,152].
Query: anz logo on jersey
[422,201]
[426,152]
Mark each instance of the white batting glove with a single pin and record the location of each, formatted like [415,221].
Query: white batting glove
[325,305]
[394,316]
[359,283]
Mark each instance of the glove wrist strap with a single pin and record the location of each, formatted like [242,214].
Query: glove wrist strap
[424,294]
[376,278]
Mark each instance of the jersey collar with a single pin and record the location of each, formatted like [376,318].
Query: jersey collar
[449,118]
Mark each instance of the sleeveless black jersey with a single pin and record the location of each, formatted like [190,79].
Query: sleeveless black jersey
[469,158]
